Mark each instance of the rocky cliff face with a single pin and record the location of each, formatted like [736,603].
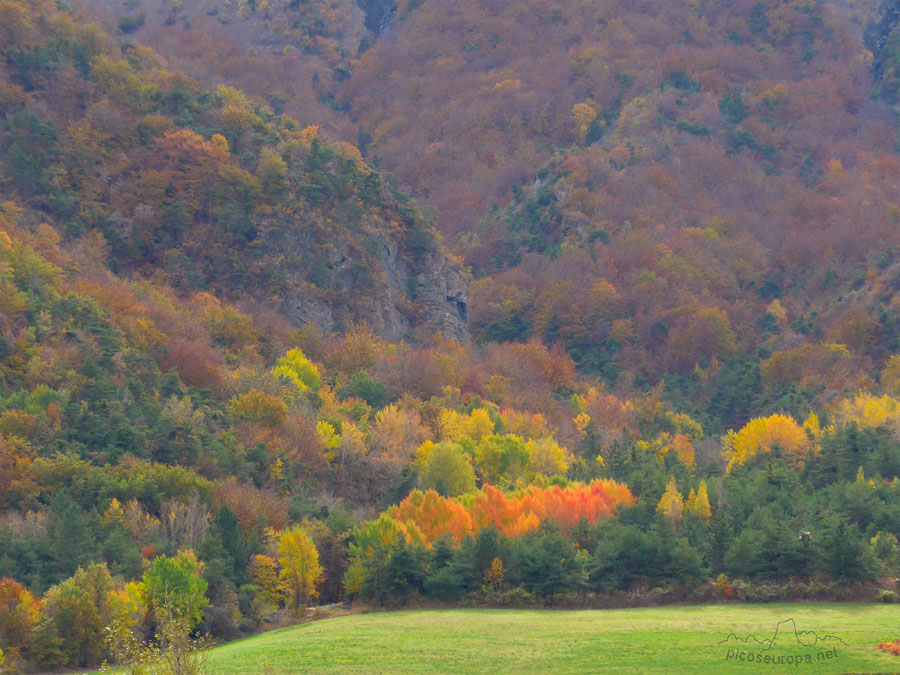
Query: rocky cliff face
[444,296]
[392,294]
[349,257]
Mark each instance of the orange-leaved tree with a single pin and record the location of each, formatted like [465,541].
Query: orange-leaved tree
[434,515]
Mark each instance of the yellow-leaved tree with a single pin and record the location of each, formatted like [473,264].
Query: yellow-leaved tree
[671,502]
[869,411]
[259,407]
[583,114]
[295,368]
[547,457]
[698,502]
[764,434]
[890,376]
[300,569]
[679,444]
[445,467]
[264,575]
[493,575]
[397,433]
[476,425]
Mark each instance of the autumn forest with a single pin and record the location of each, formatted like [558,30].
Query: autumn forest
[420,303]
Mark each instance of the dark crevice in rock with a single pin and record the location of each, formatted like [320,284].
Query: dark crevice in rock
[462,309]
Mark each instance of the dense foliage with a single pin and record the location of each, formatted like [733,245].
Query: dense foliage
[224,389]
[204,189]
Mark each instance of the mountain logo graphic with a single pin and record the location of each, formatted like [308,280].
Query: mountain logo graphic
[785,635]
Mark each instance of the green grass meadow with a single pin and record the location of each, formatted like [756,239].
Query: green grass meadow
[657,640]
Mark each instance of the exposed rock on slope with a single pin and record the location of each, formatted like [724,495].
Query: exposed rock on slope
[211,191]
[393,303]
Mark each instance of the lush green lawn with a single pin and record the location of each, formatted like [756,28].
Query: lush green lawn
[658,640]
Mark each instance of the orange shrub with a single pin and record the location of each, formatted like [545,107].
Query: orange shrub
[892,647]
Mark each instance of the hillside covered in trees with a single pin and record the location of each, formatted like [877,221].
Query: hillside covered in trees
[623,319]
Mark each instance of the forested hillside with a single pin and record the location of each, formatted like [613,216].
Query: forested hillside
[699,162]
[289,54]
[634,334]
[209,190]
[641,184]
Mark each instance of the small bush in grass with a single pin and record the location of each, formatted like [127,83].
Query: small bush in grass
[892,647]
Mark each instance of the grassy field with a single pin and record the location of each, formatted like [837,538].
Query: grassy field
[657,640]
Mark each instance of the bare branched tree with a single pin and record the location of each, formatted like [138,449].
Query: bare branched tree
[173,651]
[184,524]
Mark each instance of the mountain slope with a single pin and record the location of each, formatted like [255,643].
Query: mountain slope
[210,190]
[698,162]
